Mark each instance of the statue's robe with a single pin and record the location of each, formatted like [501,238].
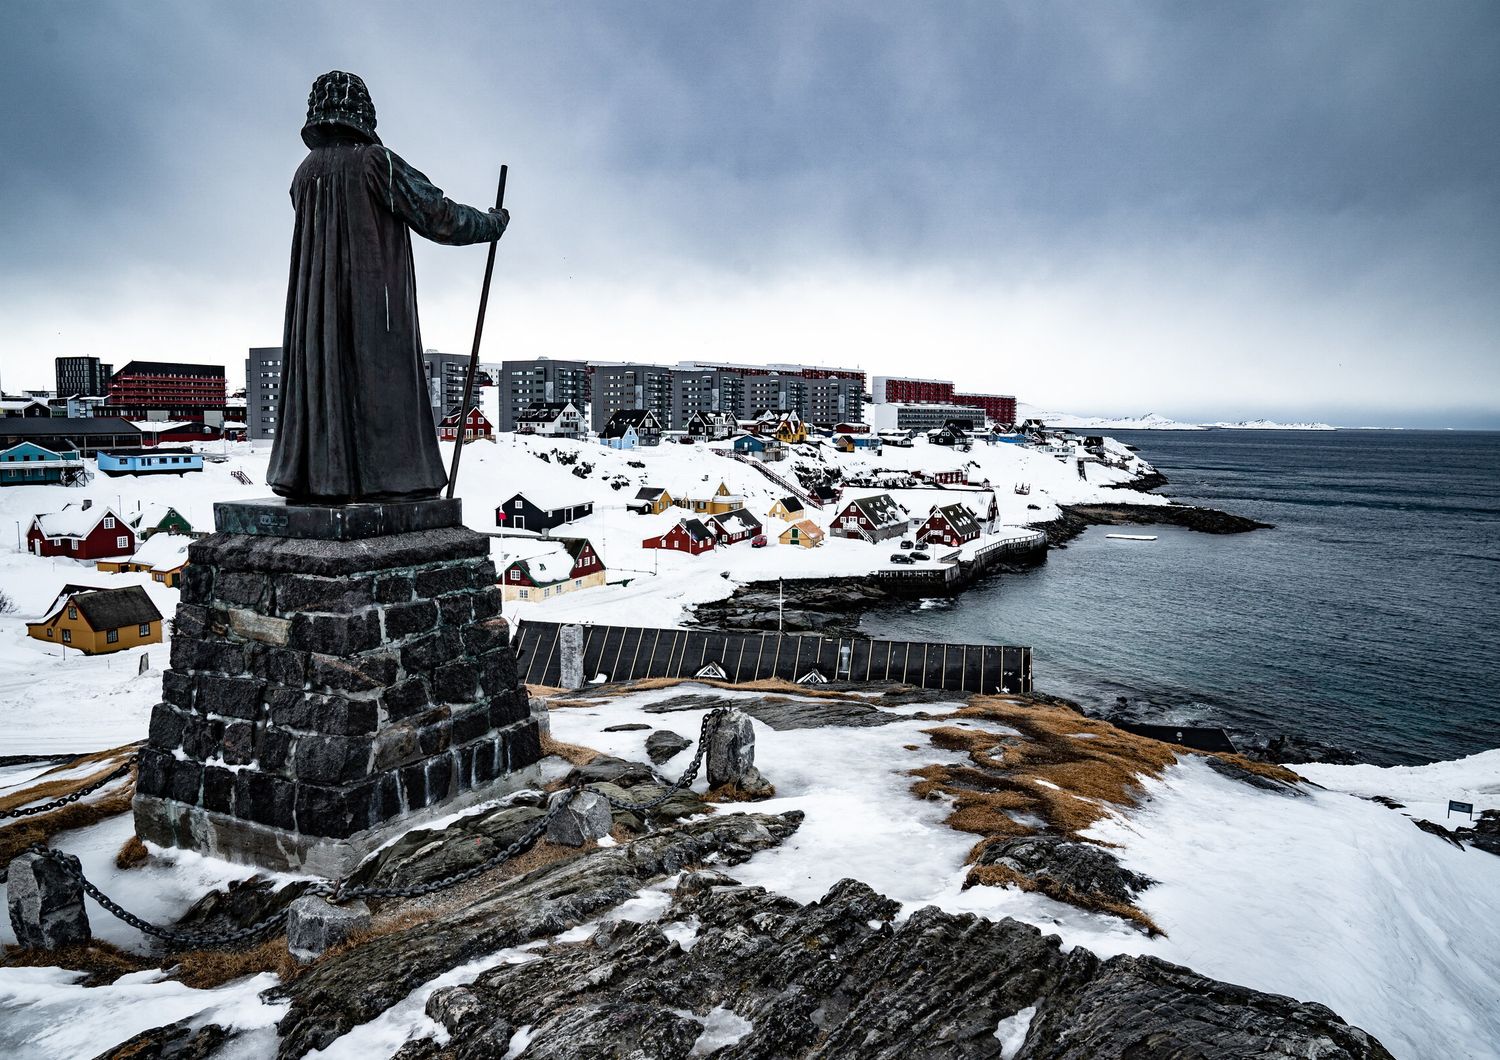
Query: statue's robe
[355,422]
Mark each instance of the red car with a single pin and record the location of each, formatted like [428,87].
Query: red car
[758,541]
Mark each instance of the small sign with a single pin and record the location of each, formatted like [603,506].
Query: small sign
[1460,807]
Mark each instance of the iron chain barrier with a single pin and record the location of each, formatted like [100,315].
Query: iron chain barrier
[337,891]
[55,804]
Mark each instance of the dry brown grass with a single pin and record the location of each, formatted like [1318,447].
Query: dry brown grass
[133,853]
[568,704]
[1003,875]
[206,969]
[735,793]
[1045,773]
[15,838]
[42,788]
[572,753]
[103,962]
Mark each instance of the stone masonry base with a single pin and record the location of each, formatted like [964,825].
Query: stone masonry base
[325,695]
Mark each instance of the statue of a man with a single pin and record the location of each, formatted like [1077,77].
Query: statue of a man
[355,422]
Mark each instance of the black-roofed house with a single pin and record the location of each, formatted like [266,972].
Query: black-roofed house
[731,527]
[97,621]
[686,535]
[949,524]
[541,511]
[873,518]
[711,426]
[642,424]
[788,508]
[650,500]
[555,419]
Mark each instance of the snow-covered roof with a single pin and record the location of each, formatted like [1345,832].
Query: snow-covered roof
[959,517]
[549,565]
[880,508]
[159,426]
[744,516]
[551,496]
[73,521]
[163,552]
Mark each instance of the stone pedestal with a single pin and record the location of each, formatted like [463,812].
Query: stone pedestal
[332,686]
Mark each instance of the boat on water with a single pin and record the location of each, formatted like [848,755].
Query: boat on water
[1132,537]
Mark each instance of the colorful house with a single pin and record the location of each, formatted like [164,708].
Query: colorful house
[721,501]
[155,461]
[873,518]
[687,535]
[848,443]
[710,426]
[733,527]
[555,419]
[950,476]
[804,533]
[789,509]
[80,531]
[29,464]
[163,556]
[562,566]
[650,500]
[949,524]
[160,519]
[764,449]
[544,513]
[97,621]
[642,423]
[476,425]
[785,427]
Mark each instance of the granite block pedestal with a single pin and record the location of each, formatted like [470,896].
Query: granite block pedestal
[338,676]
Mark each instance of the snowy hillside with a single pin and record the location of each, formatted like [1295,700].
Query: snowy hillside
[1153,421]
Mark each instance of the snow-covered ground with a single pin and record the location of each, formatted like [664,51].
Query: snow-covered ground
[1329,897]
[55,700]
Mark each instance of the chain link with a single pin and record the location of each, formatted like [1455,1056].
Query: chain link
[47,807]
[336,891]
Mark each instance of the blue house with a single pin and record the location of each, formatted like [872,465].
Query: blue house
[758,446]
[620,438]
[156,461]
[29,464]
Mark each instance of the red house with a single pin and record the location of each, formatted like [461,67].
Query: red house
[80,532]
[948,477]
[689,535]
[731,527]
[949,524]
[476,425]
[871,519]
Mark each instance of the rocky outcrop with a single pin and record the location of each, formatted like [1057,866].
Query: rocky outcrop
[759,976]
[355,986]
[1203,520]
[825,605]
[664,744]
[1069,871]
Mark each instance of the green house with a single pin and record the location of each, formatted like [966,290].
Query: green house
[158,518]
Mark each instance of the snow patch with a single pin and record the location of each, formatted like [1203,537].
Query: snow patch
[1012,1032]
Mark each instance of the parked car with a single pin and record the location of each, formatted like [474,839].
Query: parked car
[920,555]
[907,544]
[758,541]
[901,557]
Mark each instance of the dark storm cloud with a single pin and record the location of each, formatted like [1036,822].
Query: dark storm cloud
[1333,147]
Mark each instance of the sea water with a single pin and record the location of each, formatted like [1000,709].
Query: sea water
[1368,619]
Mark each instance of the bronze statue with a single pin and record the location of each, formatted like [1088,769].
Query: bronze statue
[355,422]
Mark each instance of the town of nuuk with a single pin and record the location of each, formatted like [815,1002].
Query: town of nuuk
[940,776]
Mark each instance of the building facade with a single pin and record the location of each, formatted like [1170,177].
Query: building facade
[891,389]
[262,391]
[446,374]
[890,416]
[620,387]
[169,390]
[541,380]
[82,377]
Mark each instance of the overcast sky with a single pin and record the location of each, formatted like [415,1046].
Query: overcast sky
[1206,210]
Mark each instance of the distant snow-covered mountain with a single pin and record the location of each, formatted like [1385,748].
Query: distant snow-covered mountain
[1155,421]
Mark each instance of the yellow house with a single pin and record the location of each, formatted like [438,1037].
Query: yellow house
[789,509]
[98,621]
[804,532]
[651,500]
[163,556]
[722,501]
[789,429]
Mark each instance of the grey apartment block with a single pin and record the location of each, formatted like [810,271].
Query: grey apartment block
[446,373]
[262,391]
[705,389]
[633,386]
[82,377]
[541,380]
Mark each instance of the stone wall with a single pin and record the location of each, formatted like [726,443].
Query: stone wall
[320,689]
